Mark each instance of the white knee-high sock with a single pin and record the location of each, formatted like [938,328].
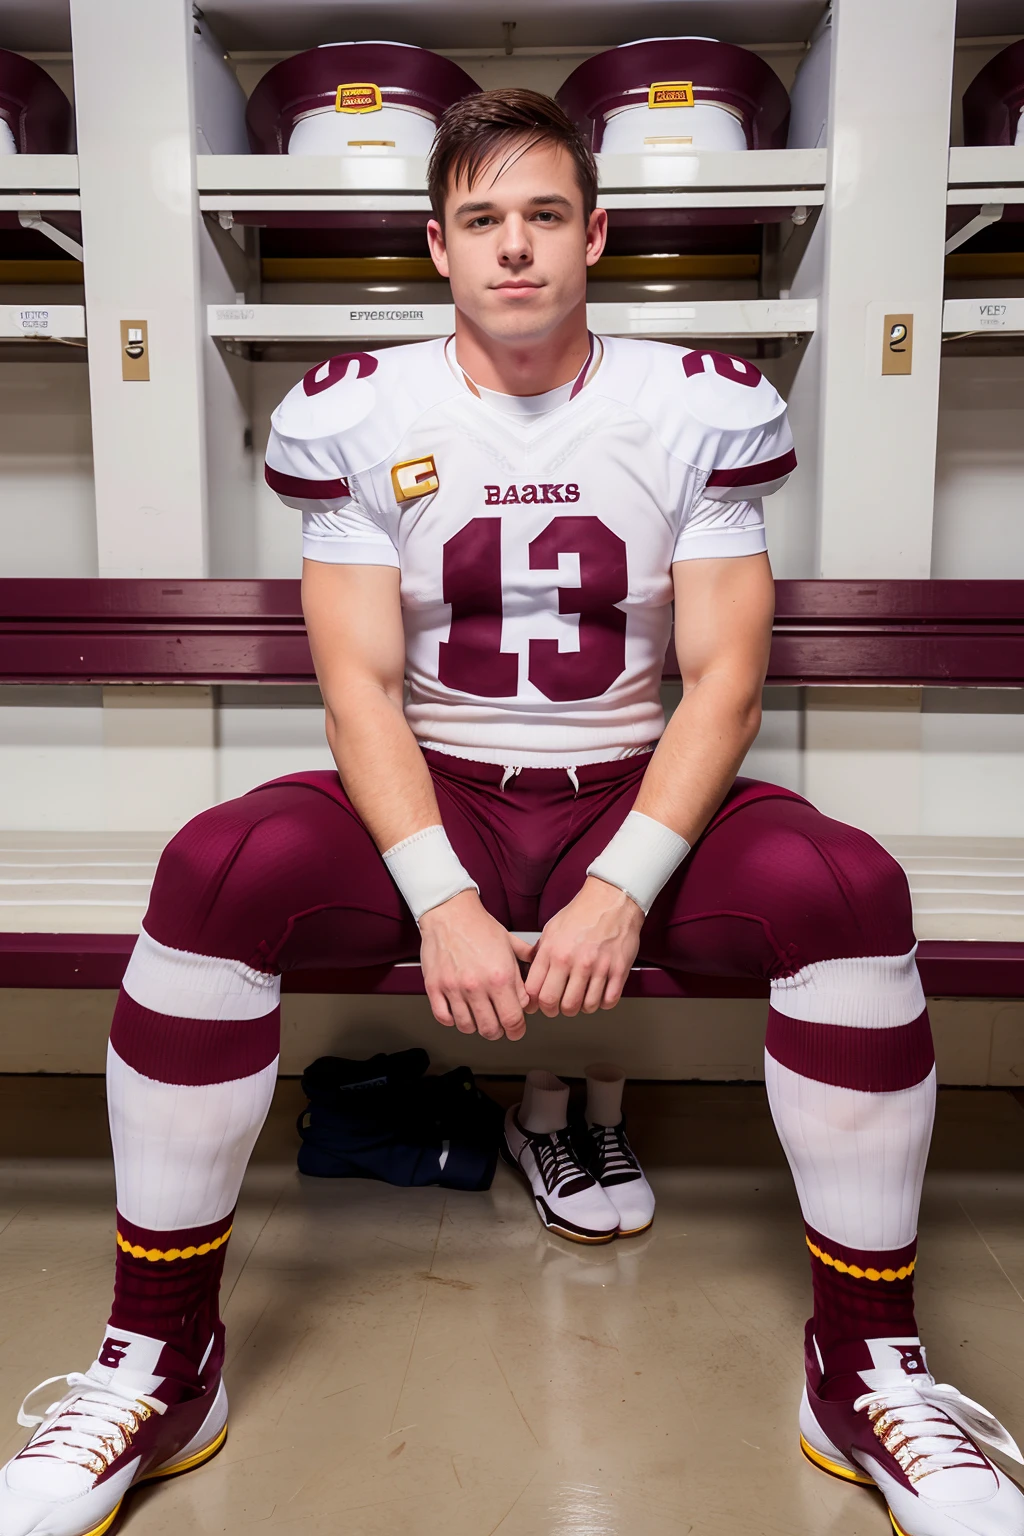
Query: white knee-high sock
[191,1072]
[851,1082]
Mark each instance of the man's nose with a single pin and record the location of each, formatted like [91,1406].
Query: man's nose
[515,242]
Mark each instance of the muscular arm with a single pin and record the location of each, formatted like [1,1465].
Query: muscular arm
[724,614]
[354,620]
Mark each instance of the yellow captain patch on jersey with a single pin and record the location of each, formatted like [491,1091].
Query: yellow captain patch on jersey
[414,477]
[671,93]
[358,97]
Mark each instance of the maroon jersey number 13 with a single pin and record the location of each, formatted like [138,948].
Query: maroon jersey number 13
[471,659]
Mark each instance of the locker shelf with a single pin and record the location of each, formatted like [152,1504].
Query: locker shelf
[325,322]
[330,183]
[986,165]
[39,175]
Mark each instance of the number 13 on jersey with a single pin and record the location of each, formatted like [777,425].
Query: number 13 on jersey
[472,660]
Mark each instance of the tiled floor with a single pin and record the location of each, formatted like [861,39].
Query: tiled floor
[422,1363]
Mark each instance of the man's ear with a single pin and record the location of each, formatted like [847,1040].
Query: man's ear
[438,250]
[597,235]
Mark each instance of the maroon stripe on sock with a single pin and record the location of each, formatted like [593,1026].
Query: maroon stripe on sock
[870,1297]
[192,1051]
[173,1299]
[154,1240]
[872,1060]
[876,1259]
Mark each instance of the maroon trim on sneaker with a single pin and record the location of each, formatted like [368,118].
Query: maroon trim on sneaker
[170,1247]
[848,1359]
[871,1060]
[193,1052]
[831,1401]
[550,1219]
[161,1437]
[308,490]
[755,474]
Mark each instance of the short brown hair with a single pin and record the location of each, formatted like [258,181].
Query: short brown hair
[477,128]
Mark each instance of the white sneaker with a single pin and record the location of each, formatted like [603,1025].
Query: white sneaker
[110,1431]
[569,1200]
[915,1440]
[606,1153]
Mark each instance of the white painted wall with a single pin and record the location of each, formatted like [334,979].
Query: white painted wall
[907,762]
[142,759]
[979,475]
[894,761]
[47,505]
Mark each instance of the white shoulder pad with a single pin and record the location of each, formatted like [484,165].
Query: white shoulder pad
[714,411]
[728,393]
[344,416]
[740,419]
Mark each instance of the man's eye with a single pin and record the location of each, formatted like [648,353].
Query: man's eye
[480,221]
[547,215]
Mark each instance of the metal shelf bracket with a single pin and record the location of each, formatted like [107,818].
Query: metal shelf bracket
[990,213]
[38,223]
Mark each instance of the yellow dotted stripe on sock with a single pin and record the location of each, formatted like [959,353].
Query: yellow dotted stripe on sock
[855,1270]
[155,1255]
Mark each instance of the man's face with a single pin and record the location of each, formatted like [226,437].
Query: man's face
[516,248]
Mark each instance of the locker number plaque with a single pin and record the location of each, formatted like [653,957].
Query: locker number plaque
[897,343]
[135,350]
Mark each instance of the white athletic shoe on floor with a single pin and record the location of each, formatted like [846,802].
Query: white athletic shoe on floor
[106,1434]
[569,1200]
[916,1441]
[606,1153]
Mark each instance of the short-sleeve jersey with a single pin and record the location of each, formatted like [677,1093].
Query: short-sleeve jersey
[535,553]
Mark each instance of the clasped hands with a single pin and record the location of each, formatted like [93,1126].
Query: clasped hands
[471,963]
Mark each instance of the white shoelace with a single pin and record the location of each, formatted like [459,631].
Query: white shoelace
[920,1425]
[617,1156]
[557,1160]
[91,1425]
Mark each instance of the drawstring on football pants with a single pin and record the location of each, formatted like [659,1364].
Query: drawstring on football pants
[513,773]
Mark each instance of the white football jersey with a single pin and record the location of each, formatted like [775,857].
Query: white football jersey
[535,539]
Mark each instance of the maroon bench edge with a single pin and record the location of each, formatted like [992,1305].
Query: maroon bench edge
[76,960]
[860,632]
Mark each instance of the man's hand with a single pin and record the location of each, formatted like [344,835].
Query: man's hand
[471,969]
[583,956]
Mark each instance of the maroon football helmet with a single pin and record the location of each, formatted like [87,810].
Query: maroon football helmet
[35,115]
[994,100]
[678,95]
[675,94]
[354,98]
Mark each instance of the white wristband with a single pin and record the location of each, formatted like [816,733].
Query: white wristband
[427,871]
[640,858]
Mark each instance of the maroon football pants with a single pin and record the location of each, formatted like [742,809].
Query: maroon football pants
[287,877]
